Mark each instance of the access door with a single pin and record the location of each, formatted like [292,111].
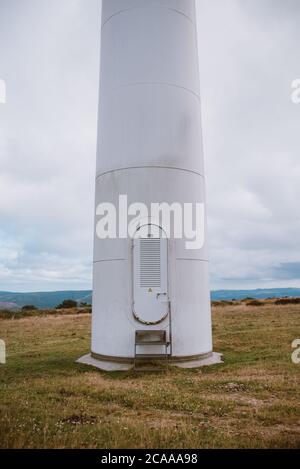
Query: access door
[150,275]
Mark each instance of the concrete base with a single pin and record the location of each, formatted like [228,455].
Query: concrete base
[214,359]
[104,365]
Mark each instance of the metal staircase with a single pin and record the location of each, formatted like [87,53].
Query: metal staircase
[148,339]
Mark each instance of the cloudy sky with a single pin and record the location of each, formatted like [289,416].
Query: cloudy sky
[49,59]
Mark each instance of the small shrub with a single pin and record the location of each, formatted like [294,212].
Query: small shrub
[288,301]
[67,304]
[216,303]
[29,308]
[255,303]
[223,303]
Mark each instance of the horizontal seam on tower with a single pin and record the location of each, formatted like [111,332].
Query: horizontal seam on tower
[142,83]
[157,6]
[148,167]
[109,260]
[188,259]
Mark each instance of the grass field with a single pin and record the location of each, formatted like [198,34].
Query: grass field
[252,400]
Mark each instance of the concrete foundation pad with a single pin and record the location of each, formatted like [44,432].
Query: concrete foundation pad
[104,365]
[214,359]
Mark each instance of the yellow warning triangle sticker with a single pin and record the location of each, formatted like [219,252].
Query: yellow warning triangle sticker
[150,290]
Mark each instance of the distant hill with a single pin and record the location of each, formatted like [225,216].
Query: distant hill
[263,293]
[9,306]
[44,300]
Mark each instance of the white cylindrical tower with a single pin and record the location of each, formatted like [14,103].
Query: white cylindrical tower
[150,149]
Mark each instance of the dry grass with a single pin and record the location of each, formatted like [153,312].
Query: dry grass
[48,401]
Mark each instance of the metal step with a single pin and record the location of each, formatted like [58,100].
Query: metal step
[152,343]
[151,355]
[143,338]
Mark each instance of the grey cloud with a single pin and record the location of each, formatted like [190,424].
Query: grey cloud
[251,129]
[49,57]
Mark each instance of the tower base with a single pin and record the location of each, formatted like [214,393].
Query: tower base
[113,364]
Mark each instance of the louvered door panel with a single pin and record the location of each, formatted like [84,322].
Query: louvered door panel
[150,263]
[150,277]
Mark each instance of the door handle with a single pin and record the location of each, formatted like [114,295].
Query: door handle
[158,296]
